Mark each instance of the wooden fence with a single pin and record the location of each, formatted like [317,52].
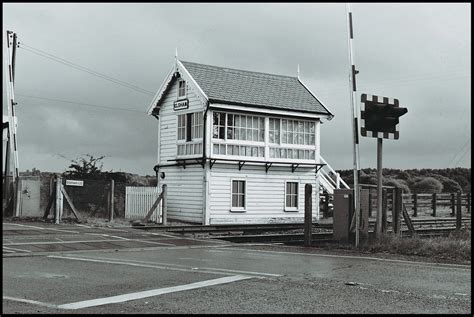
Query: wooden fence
[436,205]
[139,200]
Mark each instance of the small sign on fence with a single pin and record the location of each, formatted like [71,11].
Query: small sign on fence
[70,182]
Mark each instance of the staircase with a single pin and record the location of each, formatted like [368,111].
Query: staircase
[329,179]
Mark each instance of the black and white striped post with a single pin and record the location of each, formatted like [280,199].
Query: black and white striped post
[10,48]
[355,128]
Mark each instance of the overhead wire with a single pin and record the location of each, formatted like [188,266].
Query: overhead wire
[462,156]
[81,103]
[82,68]
[462,149]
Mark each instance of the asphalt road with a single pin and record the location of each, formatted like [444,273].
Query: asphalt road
[122,270]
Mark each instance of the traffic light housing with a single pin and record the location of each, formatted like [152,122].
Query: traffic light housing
[380,117]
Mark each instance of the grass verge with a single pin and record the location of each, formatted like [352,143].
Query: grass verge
[455,247]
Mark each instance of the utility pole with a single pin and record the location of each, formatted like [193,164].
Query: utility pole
[355,128]
[9,55]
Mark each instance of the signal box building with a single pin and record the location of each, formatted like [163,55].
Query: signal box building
[237,146]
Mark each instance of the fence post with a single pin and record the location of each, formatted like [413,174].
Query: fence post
[453,204]
[433,204]
[308,217]
[326,205]
[458,213]
[164,205]
[394,192]
[468,205]
[112,194]
[370,203]
[59,200]
[397,210]
[384,209]
[415,204]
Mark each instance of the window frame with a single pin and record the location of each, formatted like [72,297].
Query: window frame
[186,140]
[238,209]
[297,208]
[179,89]
[309,154]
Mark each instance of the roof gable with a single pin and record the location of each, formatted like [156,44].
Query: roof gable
[226,85]
[241,87]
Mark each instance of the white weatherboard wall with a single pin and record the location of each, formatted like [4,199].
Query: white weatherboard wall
[184,185]
[169,122]
[265,194]
[184,192]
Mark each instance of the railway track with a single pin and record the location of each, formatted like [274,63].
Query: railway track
[265,232]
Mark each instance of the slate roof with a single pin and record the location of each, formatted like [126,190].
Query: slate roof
[234,86]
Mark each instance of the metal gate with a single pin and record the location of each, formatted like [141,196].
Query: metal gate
[30,196]
[139,200]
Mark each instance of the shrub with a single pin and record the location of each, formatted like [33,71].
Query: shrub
[399,183]
[427,185]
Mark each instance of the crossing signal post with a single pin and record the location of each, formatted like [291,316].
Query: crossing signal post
[380,119]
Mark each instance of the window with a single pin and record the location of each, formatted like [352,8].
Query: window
[274,131]
[181,89]
[182,127]
[291,196]
[196,125]
[218,125]
[297,132]
[238,195]
[189,134]
[241,128]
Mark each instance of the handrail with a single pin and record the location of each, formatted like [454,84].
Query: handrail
[331,170]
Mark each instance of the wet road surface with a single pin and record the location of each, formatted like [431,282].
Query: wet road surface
[76,269]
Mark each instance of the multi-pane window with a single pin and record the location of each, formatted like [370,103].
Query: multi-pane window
[181,89]
[182,127]
[218,125]
[238,194]
[287,138]
[238,127]
[297,132]
[245,128]
[274,131]
[291,195]
[196,125]
[190,126]
[251,129]
[239,150]
[288,153]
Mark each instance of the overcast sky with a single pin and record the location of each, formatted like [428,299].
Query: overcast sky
[418,53]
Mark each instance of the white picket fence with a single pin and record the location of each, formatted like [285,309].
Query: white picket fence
[138,201]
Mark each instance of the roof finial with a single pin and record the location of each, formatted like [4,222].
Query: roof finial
[176,54]
[298,71]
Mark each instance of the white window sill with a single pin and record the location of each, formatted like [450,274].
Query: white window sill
[241,210]
[291,210]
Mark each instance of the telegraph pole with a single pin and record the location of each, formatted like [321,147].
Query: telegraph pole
[355,128]
[10,50]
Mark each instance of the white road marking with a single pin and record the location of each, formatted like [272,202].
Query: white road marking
[28,301]
[41,228]
[15,249]
[59,242]
[83,226]
[153,242]
[117,237]
[460,266]
[150,293]
[249,253]
[166,266]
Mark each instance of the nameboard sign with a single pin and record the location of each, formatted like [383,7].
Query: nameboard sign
[70,182]
[181,104]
